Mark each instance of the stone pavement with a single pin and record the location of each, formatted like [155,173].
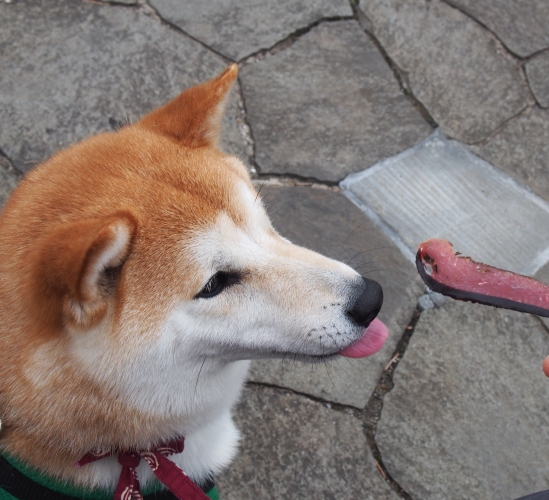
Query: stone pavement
[371,125]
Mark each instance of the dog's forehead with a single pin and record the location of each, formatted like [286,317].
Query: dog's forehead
[250,205]
[239,235]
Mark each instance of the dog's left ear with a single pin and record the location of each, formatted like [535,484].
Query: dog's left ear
[79,265]
[194,118]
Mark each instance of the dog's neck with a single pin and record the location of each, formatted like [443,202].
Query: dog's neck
[210,435]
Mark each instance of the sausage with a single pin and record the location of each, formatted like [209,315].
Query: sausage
[462,278]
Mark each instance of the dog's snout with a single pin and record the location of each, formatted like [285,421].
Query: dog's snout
[367,304]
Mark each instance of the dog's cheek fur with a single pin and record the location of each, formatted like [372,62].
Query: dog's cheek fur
[290,299]
[267,315]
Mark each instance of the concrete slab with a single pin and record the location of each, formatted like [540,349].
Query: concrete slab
[70,69]
[238,28]
[537,70]
[521,148]
[296,448]
[543,275]
[441,189]
[456,69]
[522,26]
[328,223]
[327,106]
[469,414]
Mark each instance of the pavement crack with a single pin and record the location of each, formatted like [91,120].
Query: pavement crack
[385,384]
[532,95]
[150,10]
[542,323]
[112,3]
[289,40]
[535,54]
[7,163]
[294,181]
[530,90]
[400,75]
[372,412]
[348,409]
[495,132]
[245,129]
[482,25]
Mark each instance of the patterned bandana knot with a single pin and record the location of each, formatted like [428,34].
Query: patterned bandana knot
[170,474]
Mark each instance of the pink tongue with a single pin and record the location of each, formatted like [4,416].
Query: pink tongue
[372,341]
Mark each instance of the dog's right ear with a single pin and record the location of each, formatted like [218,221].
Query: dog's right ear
[80,264]
[194,118]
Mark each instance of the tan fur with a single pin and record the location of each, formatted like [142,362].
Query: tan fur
[147,178]
[106,343]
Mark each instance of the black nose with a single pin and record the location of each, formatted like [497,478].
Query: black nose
[367,303]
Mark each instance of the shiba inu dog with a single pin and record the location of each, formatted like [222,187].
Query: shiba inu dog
[139,273]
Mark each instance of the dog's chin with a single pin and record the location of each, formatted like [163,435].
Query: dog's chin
[366,342]
[249,353]
[370,341]
[305,358]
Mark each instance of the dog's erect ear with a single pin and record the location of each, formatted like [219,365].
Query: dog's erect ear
[81,264]
[194,118]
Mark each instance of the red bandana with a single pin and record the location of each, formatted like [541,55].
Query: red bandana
[170,474]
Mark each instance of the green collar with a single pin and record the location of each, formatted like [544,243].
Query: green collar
[70,490]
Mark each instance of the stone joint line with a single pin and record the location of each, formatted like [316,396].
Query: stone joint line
[371,414]
[400,76]
[483,26]
[289,40]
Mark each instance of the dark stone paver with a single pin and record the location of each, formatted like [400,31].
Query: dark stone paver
[537,70]
[522,26]
[238,28]
[327,222]
[313,452]
[327,106]
[521,148]
[453,66]
[469,414]
[9,178]
[73,69]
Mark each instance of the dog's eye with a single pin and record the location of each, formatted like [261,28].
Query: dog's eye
[217,283]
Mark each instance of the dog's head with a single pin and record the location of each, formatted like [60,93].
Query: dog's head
[147,254]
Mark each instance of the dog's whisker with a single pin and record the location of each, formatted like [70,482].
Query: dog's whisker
[282,362]
[325,362]
[295,361]
[351,362]
[258,191]
[365,265]
[356,255]
[198,377]
[371,271]
[366,262]
[350,234]
[341,367]
[271,212]
[373,249]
